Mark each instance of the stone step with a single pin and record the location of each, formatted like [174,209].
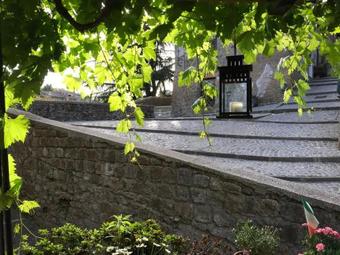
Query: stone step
[322,84]
[251,149]
[331,105]
[279,169]
[324,88]
[245,128]
[316,118]
[323,79]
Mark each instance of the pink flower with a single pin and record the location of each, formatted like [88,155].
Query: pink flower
[320,246]
[319,230]
[327,230]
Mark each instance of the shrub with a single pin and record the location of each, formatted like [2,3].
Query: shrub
[117,237]
[256,240]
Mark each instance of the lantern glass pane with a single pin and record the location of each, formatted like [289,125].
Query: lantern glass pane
[235,95]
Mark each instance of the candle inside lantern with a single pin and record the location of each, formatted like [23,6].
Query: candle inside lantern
[236,106]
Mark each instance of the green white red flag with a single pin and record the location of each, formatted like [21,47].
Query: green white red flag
[312,222]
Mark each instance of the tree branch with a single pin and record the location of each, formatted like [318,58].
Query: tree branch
[82,27]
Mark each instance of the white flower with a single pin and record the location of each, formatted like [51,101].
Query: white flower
[111,248]
[156,244]
[145,239]
[142,245]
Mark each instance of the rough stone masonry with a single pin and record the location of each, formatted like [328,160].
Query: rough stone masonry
[84,178]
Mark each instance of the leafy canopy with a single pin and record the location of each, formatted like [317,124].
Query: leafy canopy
[97,41]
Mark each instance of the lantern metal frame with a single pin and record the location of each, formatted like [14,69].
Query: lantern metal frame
[235,72]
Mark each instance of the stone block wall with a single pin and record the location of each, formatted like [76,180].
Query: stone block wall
[84,178]
[77,111]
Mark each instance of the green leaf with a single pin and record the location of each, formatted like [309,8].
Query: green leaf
[17,228]
[209,90]
[139,115]
[124,126]
[287,94]
[138,138]
[202,134]
[15,129]
[136,84]
[27,206]
[72,83]
[13,177]
[280,77]
[147,72]
[115,102]
[302,86]
[336,30]
[299,100]
[149,50]
[206,121]
[129,147]
[188,77]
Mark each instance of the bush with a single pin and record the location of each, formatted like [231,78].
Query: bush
[256,240]
[117,237]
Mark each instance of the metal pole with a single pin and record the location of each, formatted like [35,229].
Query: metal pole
[4,159]
[2,232]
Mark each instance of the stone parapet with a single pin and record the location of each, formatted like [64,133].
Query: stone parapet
[77,111]
[83,177]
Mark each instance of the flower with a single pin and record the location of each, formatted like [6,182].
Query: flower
[320,246]
[139,246]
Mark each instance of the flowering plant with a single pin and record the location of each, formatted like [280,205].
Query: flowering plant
[324,241]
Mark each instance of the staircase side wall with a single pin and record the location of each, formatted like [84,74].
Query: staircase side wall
[83,177]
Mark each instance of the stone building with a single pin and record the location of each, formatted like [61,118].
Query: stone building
[266,89]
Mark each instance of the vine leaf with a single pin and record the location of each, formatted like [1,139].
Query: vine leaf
[27,206]
[20,124]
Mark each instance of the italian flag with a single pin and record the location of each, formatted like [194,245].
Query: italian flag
[312,222]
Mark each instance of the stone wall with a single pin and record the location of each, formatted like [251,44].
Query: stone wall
[74,111]
[84,178]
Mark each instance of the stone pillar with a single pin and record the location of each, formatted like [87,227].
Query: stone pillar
[183,97]
[265,88]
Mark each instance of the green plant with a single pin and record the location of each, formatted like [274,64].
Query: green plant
[256,240]
[119,236]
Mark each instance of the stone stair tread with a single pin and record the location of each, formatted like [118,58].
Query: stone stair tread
[241,128]
[289,169]
[311,150]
